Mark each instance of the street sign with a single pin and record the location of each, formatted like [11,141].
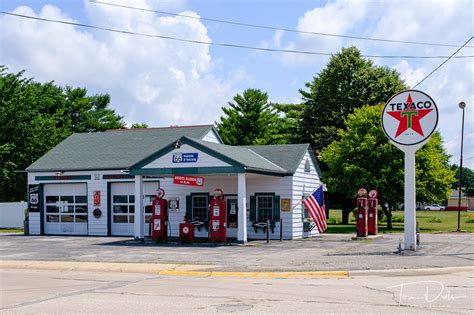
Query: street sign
[409,117]
[188,180]
[408,120]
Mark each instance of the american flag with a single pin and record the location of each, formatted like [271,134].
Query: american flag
[315,205]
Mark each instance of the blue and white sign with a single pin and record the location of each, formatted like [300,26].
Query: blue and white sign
[185,157]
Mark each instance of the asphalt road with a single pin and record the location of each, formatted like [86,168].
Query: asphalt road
[328,252]
[33,292]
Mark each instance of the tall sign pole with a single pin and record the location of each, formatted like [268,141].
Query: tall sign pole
[408,120]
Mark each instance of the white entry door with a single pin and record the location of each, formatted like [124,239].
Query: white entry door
[65,209]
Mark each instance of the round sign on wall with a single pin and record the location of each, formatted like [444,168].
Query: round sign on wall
[409,117]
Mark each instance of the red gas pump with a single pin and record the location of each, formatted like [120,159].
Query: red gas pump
[362,230]
[372,220]
[218,217]
[160,217]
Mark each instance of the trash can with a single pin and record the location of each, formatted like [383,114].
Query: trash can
[186,233]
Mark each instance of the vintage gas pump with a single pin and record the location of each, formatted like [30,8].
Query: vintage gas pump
[372,220]
[160,217]
[362,213]
[218,217]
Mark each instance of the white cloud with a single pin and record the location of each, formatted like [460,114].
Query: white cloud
[423,21]
[150,80]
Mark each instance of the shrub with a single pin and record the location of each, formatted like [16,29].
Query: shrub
[435,220]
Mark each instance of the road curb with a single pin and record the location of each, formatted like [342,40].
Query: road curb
[411,272]
[203,270]
[98,266]
[258,274]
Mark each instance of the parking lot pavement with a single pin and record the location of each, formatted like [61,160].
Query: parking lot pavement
[327,252]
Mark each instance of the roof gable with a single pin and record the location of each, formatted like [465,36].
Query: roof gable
[115,149]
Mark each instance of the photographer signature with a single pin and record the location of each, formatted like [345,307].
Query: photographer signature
[430,292]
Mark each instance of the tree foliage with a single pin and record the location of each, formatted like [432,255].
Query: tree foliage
[34,117]
[363,157]
[250,119]
[139,125]
[346,83]
[467,181]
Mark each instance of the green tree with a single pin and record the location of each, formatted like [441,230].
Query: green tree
[346,83]
[250,119]
[363,157]
[467,181]
[34,117]
[139,125]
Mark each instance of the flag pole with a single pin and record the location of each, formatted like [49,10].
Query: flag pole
[301,201]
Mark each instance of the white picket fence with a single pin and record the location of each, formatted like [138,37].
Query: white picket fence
[12,214]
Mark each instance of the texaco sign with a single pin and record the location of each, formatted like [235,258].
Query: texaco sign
[409,117]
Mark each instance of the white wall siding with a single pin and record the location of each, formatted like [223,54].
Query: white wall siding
[34,223]
[12,214]
[204,159]
[211,137]
[303,183]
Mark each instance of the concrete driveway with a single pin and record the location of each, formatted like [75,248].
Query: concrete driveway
[328,252]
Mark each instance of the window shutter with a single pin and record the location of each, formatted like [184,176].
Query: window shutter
[253,209]
[276,209]
[189,208]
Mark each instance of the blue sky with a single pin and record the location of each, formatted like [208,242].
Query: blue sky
[164,83]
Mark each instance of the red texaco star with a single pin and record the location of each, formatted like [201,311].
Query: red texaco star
[409,118]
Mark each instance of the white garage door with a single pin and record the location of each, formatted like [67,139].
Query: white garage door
[65,209]
[123,207]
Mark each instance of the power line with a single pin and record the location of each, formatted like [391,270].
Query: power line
[274,27]
[219,44]
[435,69]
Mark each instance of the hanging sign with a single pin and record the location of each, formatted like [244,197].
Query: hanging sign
[188,180]
[185,157]
[409,117]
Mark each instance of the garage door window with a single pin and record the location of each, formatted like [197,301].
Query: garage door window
[124,208]
[66,209]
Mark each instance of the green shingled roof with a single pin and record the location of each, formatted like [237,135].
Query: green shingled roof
[244,156]
[132,149]
[115,149]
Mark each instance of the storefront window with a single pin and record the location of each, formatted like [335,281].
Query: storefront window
[264,207]
[200,206]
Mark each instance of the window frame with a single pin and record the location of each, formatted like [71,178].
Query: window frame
[206,218]
[257,210]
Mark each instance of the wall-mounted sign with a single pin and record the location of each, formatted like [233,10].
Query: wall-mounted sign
[173,204]
[33,198]
[97,198]
[285,205]
[409,117]
[180,157]
[97,213]
[188,180]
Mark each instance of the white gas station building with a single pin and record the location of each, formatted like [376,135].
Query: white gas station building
[103,184]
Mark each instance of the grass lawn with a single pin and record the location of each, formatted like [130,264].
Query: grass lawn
[430,222]
[11,230]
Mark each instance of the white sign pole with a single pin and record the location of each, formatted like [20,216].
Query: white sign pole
[410,200]
[410,195]
[408,119]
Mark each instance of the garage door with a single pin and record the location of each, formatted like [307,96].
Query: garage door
[65,209]
[123,207]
